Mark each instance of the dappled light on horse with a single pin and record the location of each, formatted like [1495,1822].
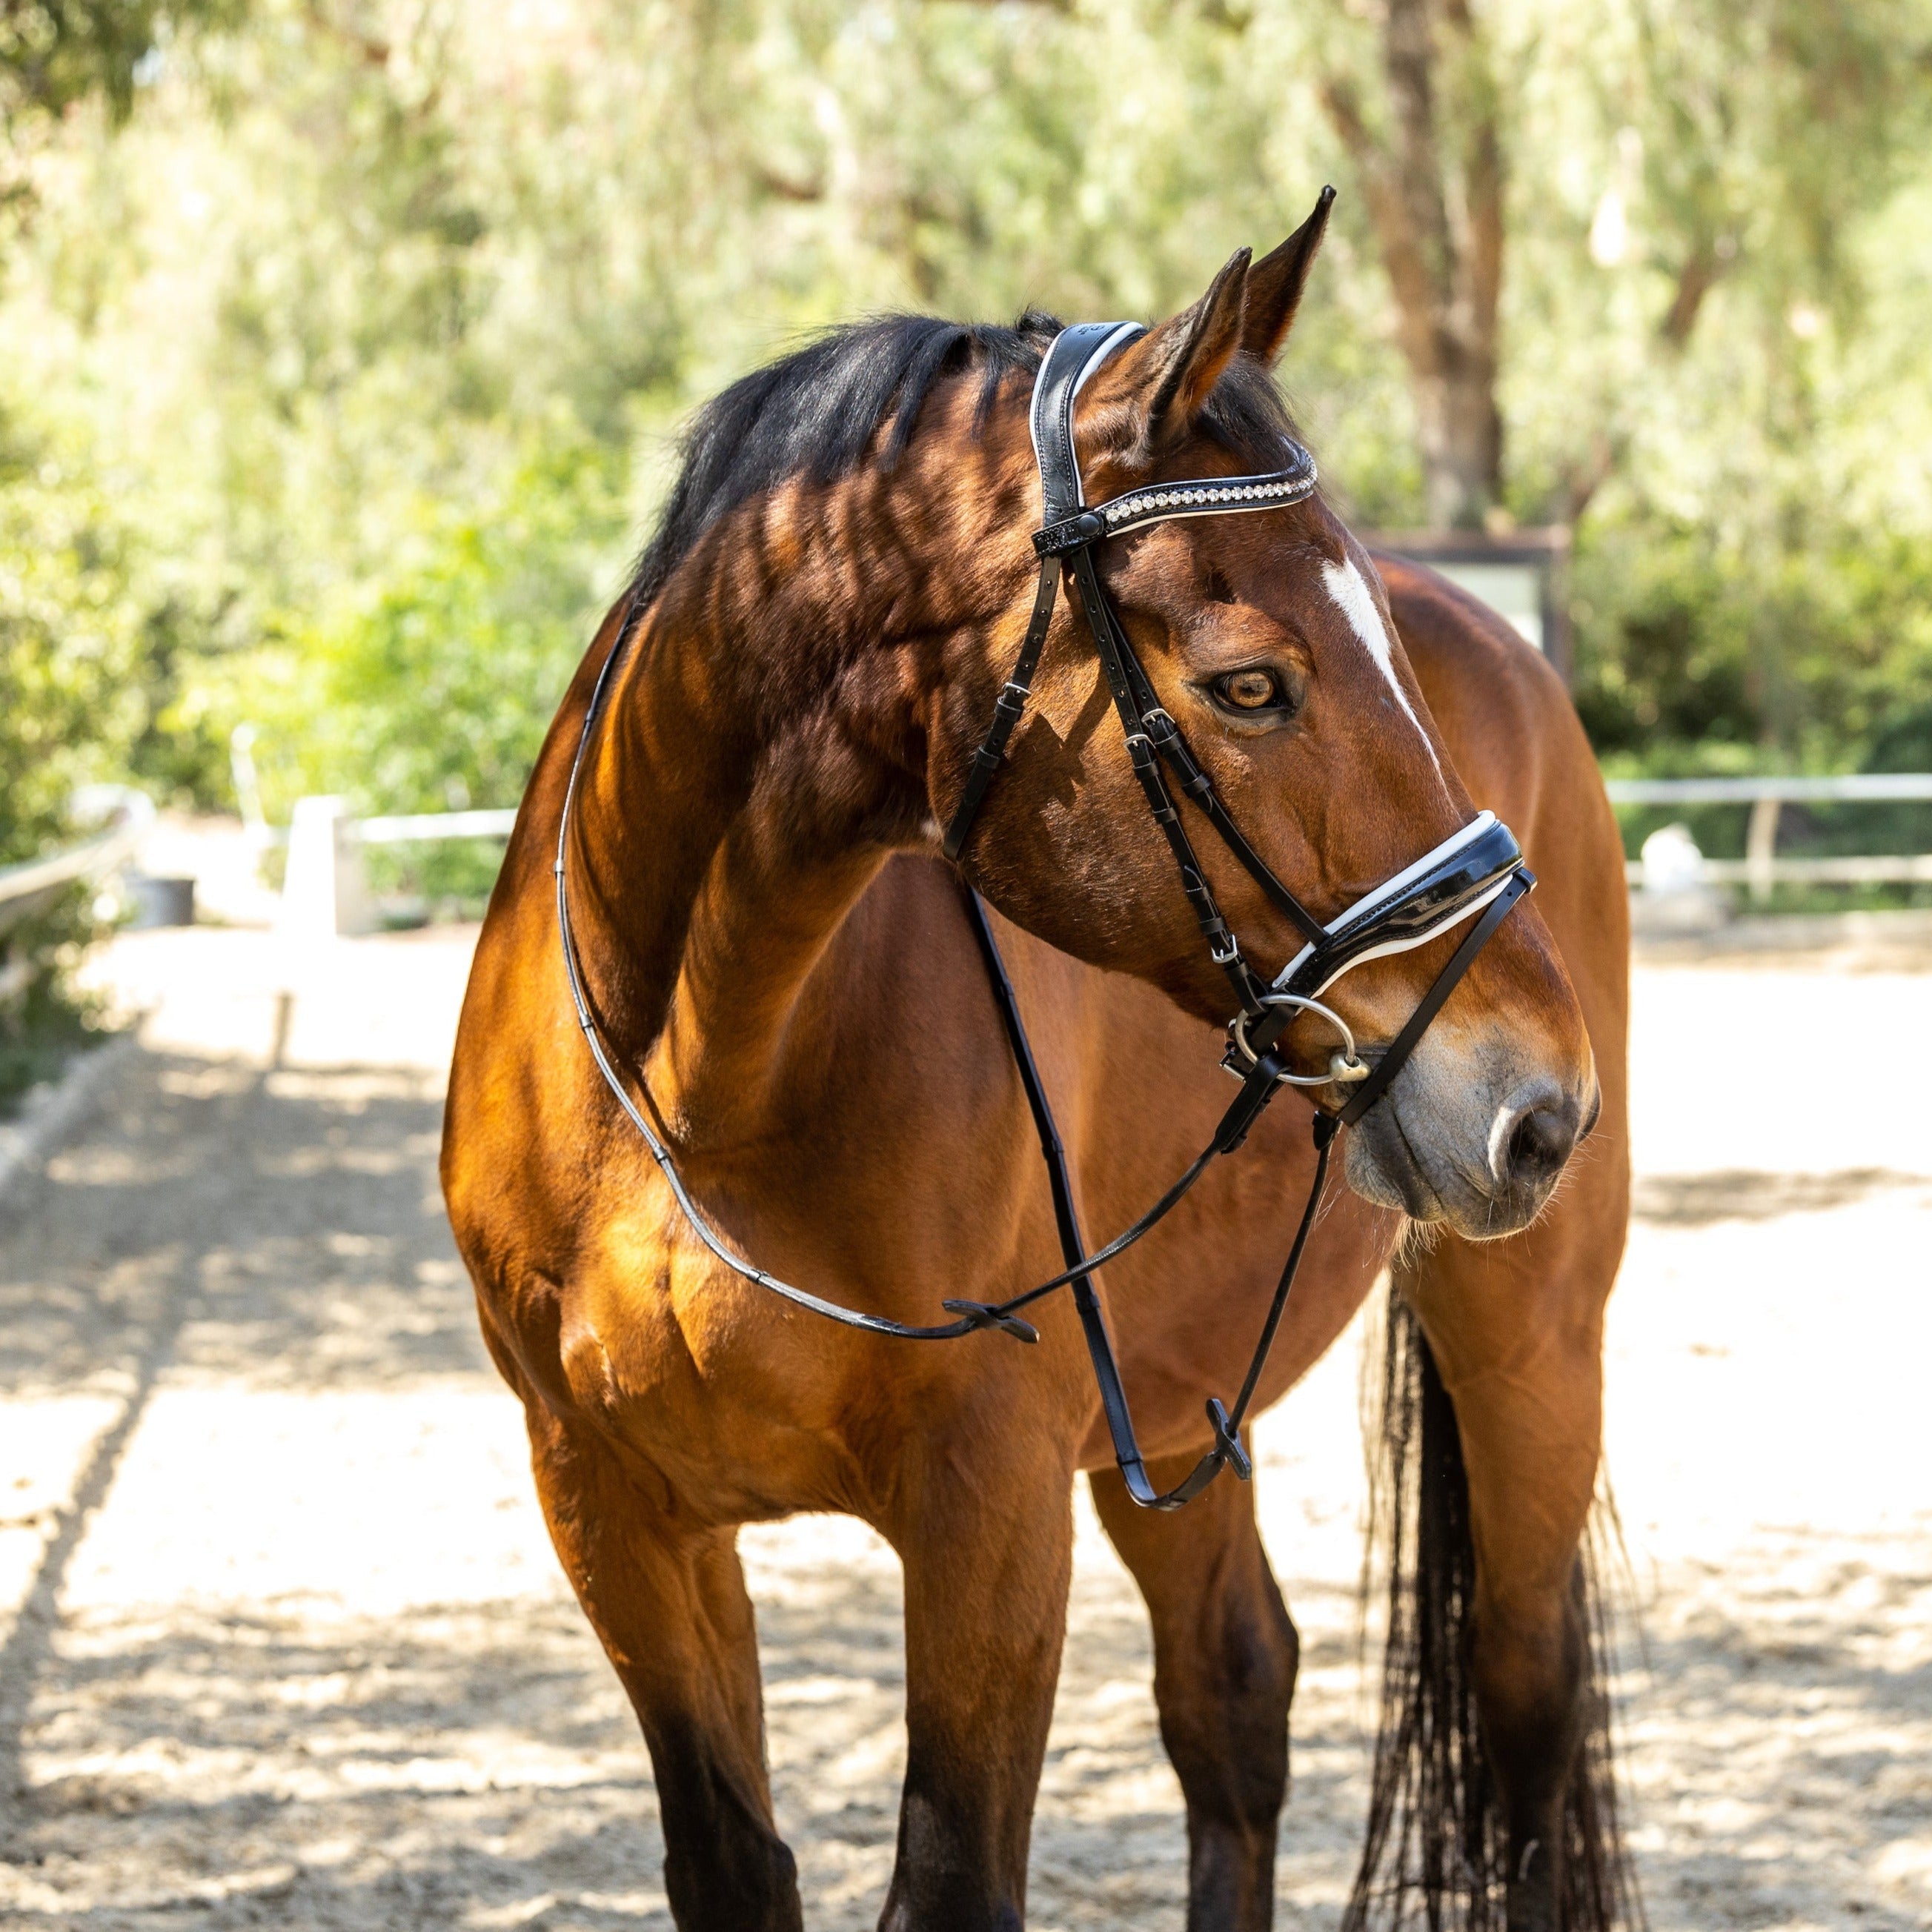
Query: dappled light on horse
[862,862]
[1476,873]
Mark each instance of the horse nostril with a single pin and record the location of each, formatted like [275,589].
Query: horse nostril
[1538,1145]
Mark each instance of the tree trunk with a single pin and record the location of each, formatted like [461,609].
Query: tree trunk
[1436,199]
[1462,437]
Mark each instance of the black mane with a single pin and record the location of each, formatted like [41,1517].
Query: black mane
[817,411]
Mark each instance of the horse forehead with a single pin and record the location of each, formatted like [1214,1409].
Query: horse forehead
[1349,589]
[1273,571]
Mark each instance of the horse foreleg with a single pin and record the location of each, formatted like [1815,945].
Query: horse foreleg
[1224,1659]
[1515,1329]
[988,1554]
[671,1609]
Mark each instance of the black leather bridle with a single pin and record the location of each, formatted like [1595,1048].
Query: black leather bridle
[1477,872]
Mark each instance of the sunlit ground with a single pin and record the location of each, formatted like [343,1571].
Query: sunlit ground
[283,1642]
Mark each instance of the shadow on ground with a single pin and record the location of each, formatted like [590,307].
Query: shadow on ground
[290,1649]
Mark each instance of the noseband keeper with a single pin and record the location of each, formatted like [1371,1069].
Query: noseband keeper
[1477,873]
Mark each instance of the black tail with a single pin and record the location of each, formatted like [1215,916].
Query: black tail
[1436,1836]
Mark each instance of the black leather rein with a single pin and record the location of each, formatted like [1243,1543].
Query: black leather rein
[1478,872]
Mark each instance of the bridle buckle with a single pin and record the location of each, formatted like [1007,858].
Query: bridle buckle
[1070,533]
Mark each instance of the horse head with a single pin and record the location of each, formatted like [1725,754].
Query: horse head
[1267,640]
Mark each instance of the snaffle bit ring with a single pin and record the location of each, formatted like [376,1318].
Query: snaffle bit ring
[1344,1066]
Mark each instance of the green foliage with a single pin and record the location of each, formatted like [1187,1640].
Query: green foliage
[70,710]
[45,1022]
[430,689]
[55,52]
[1699,656]
[358,349]
[69,635]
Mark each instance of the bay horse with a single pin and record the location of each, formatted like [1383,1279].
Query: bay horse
[781,971]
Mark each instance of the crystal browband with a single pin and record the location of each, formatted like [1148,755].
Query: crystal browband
[1156,501]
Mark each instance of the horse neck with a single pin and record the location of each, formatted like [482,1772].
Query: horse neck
[761,756]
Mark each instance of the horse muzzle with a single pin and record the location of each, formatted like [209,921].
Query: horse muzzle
[1478,1147]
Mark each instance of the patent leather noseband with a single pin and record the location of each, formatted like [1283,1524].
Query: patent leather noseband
[1477,873]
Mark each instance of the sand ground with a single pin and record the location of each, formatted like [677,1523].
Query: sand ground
[282,1641]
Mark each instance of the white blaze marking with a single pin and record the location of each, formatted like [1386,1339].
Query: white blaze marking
[1350,589]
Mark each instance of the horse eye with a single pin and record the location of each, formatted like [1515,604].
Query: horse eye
[1250,690]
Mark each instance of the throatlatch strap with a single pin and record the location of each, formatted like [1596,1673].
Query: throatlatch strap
[1006,709]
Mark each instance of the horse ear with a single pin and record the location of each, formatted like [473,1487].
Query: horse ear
[1275,283]
[1174,367]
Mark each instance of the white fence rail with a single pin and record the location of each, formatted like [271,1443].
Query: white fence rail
[25,889]
[326,891]
[1850,788]
[1761,868]
[411,826]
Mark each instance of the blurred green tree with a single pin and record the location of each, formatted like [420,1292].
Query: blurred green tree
[68,638]
[368,333]
[1746,139]
[77,690]
[54,53]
